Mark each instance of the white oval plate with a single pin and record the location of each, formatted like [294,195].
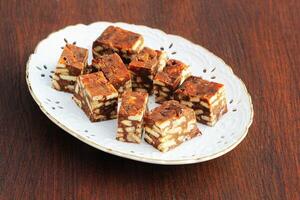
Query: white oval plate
[60,108]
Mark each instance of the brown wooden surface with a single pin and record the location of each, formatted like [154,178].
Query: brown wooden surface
[259,39]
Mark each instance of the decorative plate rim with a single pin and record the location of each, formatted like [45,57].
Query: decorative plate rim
[135,157]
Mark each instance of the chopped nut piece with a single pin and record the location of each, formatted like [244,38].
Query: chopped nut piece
[55,84]
[126,122]
[152,132]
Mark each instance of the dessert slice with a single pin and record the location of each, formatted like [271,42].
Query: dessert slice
[70,65]
[144,67]
[130,116]
[114,70]
[96,96]
[206,98]
[117,40]
[168,80]
[169,125]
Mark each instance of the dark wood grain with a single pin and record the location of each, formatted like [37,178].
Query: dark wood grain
[259,39]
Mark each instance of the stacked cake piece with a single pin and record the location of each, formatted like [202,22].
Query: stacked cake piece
[144,67]
[169,125]
[114,70]
[96,96]
[117,40]
[168,80]
[130,116]
[206,98]
[70,65]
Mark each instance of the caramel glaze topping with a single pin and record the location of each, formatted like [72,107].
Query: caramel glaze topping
[167,111]
[133,103]
[113,68]
[196,86]
[96,84]
[145,62]
[171,74]
[118,38]
[74,56]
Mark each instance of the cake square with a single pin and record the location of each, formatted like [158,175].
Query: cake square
[117,40]
[144,67]
[207,98]
[130,116]
[167,81]
[96,96]
[114,70]
[169,125]
[70,65]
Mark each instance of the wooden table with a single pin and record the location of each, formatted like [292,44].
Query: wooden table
[259,39]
